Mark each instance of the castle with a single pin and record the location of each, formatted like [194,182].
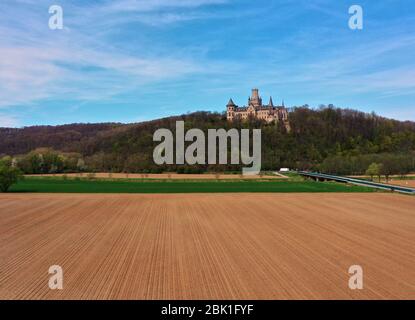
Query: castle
[256,109]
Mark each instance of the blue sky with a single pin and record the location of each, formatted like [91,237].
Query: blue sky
[132,60]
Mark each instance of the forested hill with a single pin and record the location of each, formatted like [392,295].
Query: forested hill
[65,137]
[323,137]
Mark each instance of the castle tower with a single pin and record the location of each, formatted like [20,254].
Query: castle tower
[231,105]
[230,108]
[255,99]
[255,108]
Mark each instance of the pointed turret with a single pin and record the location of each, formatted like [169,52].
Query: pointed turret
[270,104]
[230,103]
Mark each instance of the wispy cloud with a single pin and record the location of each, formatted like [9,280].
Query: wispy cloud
[146,6]
[8,121]
[175,54]
[361,68]
[37,63]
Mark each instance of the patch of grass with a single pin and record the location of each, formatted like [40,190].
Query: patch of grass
[163,186]
[293,176]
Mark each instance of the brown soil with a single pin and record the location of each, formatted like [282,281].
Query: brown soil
[207,246]
[404,183]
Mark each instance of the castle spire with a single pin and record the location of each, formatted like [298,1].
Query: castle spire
[271,104]
[230,103]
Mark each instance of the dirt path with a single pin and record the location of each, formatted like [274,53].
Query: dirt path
[212,246]
[174,176]
[404,183]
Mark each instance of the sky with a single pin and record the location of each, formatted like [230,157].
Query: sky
[137,60]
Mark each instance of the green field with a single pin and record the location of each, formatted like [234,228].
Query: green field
[56,185]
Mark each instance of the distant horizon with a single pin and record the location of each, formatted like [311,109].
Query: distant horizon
[130,61]
[180,114]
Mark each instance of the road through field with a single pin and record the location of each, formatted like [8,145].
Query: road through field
[207,246]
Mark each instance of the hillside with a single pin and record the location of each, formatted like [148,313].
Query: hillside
[329,139]
[66,137]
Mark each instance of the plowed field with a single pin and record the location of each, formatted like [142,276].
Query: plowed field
[207,246]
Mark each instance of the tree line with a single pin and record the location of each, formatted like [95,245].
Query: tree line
[327,139]
[384,164]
